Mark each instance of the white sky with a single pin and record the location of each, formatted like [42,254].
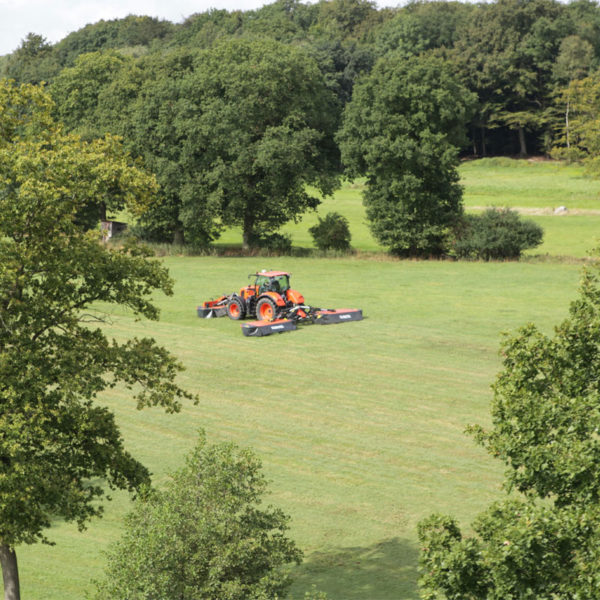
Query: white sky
[55,19]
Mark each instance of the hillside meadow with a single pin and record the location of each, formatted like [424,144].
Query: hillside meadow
[533,187]
[360,426]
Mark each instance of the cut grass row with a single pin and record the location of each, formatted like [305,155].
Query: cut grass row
[360,426]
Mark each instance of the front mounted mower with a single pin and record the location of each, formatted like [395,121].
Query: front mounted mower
[274,304]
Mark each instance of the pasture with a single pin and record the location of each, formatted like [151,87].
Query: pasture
[360,426]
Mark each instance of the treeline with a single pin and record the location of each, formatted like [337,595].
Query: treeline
[516,55]
[241,108]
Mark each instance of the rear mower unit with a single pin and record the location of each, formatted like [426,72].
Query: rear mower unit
[274,304]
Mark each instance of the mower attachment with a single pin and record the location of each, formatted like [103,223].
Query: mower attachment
[341,315]
[213,308]
[261,328]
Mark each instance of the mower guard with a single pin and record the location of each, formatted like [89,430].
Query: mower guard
[341,315]
[213,308]
[262,328]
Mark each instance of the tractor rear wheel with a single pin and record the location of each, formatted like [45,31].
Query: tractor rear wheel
[266,309]
[236,309]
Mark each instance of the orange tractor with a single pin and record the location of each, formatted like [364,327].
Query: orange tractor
[276,306]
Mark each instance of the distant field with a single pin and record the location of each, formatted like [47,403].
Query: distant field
[530,185]
[360,426]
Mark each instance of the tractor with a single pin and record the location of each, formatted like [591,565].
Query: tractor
[274,304]
[267,298]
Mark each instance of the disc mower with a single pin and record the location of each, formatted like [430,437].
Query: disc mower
[275,306]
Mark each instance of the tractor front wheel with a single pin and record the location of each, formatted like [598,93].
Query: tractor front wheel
[236,309]
[265,309]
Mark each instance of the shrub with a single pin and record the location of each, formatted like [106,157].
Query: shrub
[331,233]
[274,242]
[497,233]
[205,535]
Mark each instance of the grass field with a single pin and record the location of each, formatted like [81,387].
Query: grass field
[359,426]
[534,187]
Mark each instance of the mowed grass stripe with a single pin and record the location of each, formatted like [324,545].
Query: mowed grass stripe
[360,426]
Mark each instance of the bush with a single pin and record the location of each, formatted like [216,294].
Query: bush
[205,535]
[273,242]
[331,233]
[497,233]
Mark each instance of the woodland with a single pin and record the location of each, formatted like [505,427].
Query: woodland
[245,117]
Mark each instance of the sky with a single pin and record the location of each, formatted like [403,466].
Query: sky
[55,19]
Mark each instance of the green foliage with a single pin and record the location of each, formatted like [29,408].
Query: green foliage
[255,125]
[280,243]
[105,35]
[331,233]
[545,423]
[204,536]
[33,62]
[57,444]
[580,139]
[422,26]
[506,52]
[401,130]
[78,92]
[495,234]
[574,60]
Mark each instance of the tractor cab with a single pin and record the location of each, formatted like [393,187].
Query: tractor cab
[272,281]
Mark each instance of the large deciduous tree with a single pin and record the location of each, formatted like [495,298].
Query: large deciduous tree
[57,444]
[402,131]
[543,542]
[204,536]
[234,133]
[255,123]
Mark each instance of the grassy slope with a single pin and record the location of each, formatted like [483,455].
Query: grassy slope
[360,426]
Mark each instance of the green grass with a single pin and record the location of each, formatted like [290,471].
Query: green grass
[528,183]
[360,426]
[535,186]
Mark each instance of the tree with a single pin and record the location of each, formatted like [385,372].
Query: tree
[255,123]
[79,91]
[545,421]
[57,444]
[203,536]
[506,51]
[331,233]
[234,133]
[402,131]
[32,62]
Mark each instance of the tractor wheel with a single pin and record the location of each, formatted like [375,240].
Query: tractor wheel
[265,309]
[236,309]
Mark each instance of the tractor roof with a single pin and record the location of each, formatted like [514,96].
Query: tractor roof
[272,273]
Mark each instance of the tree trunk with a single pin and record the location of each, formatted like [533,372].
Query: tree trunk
[522,144]
[10,573]
[248,232]
[178,238]
[567,123]
[483,149]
